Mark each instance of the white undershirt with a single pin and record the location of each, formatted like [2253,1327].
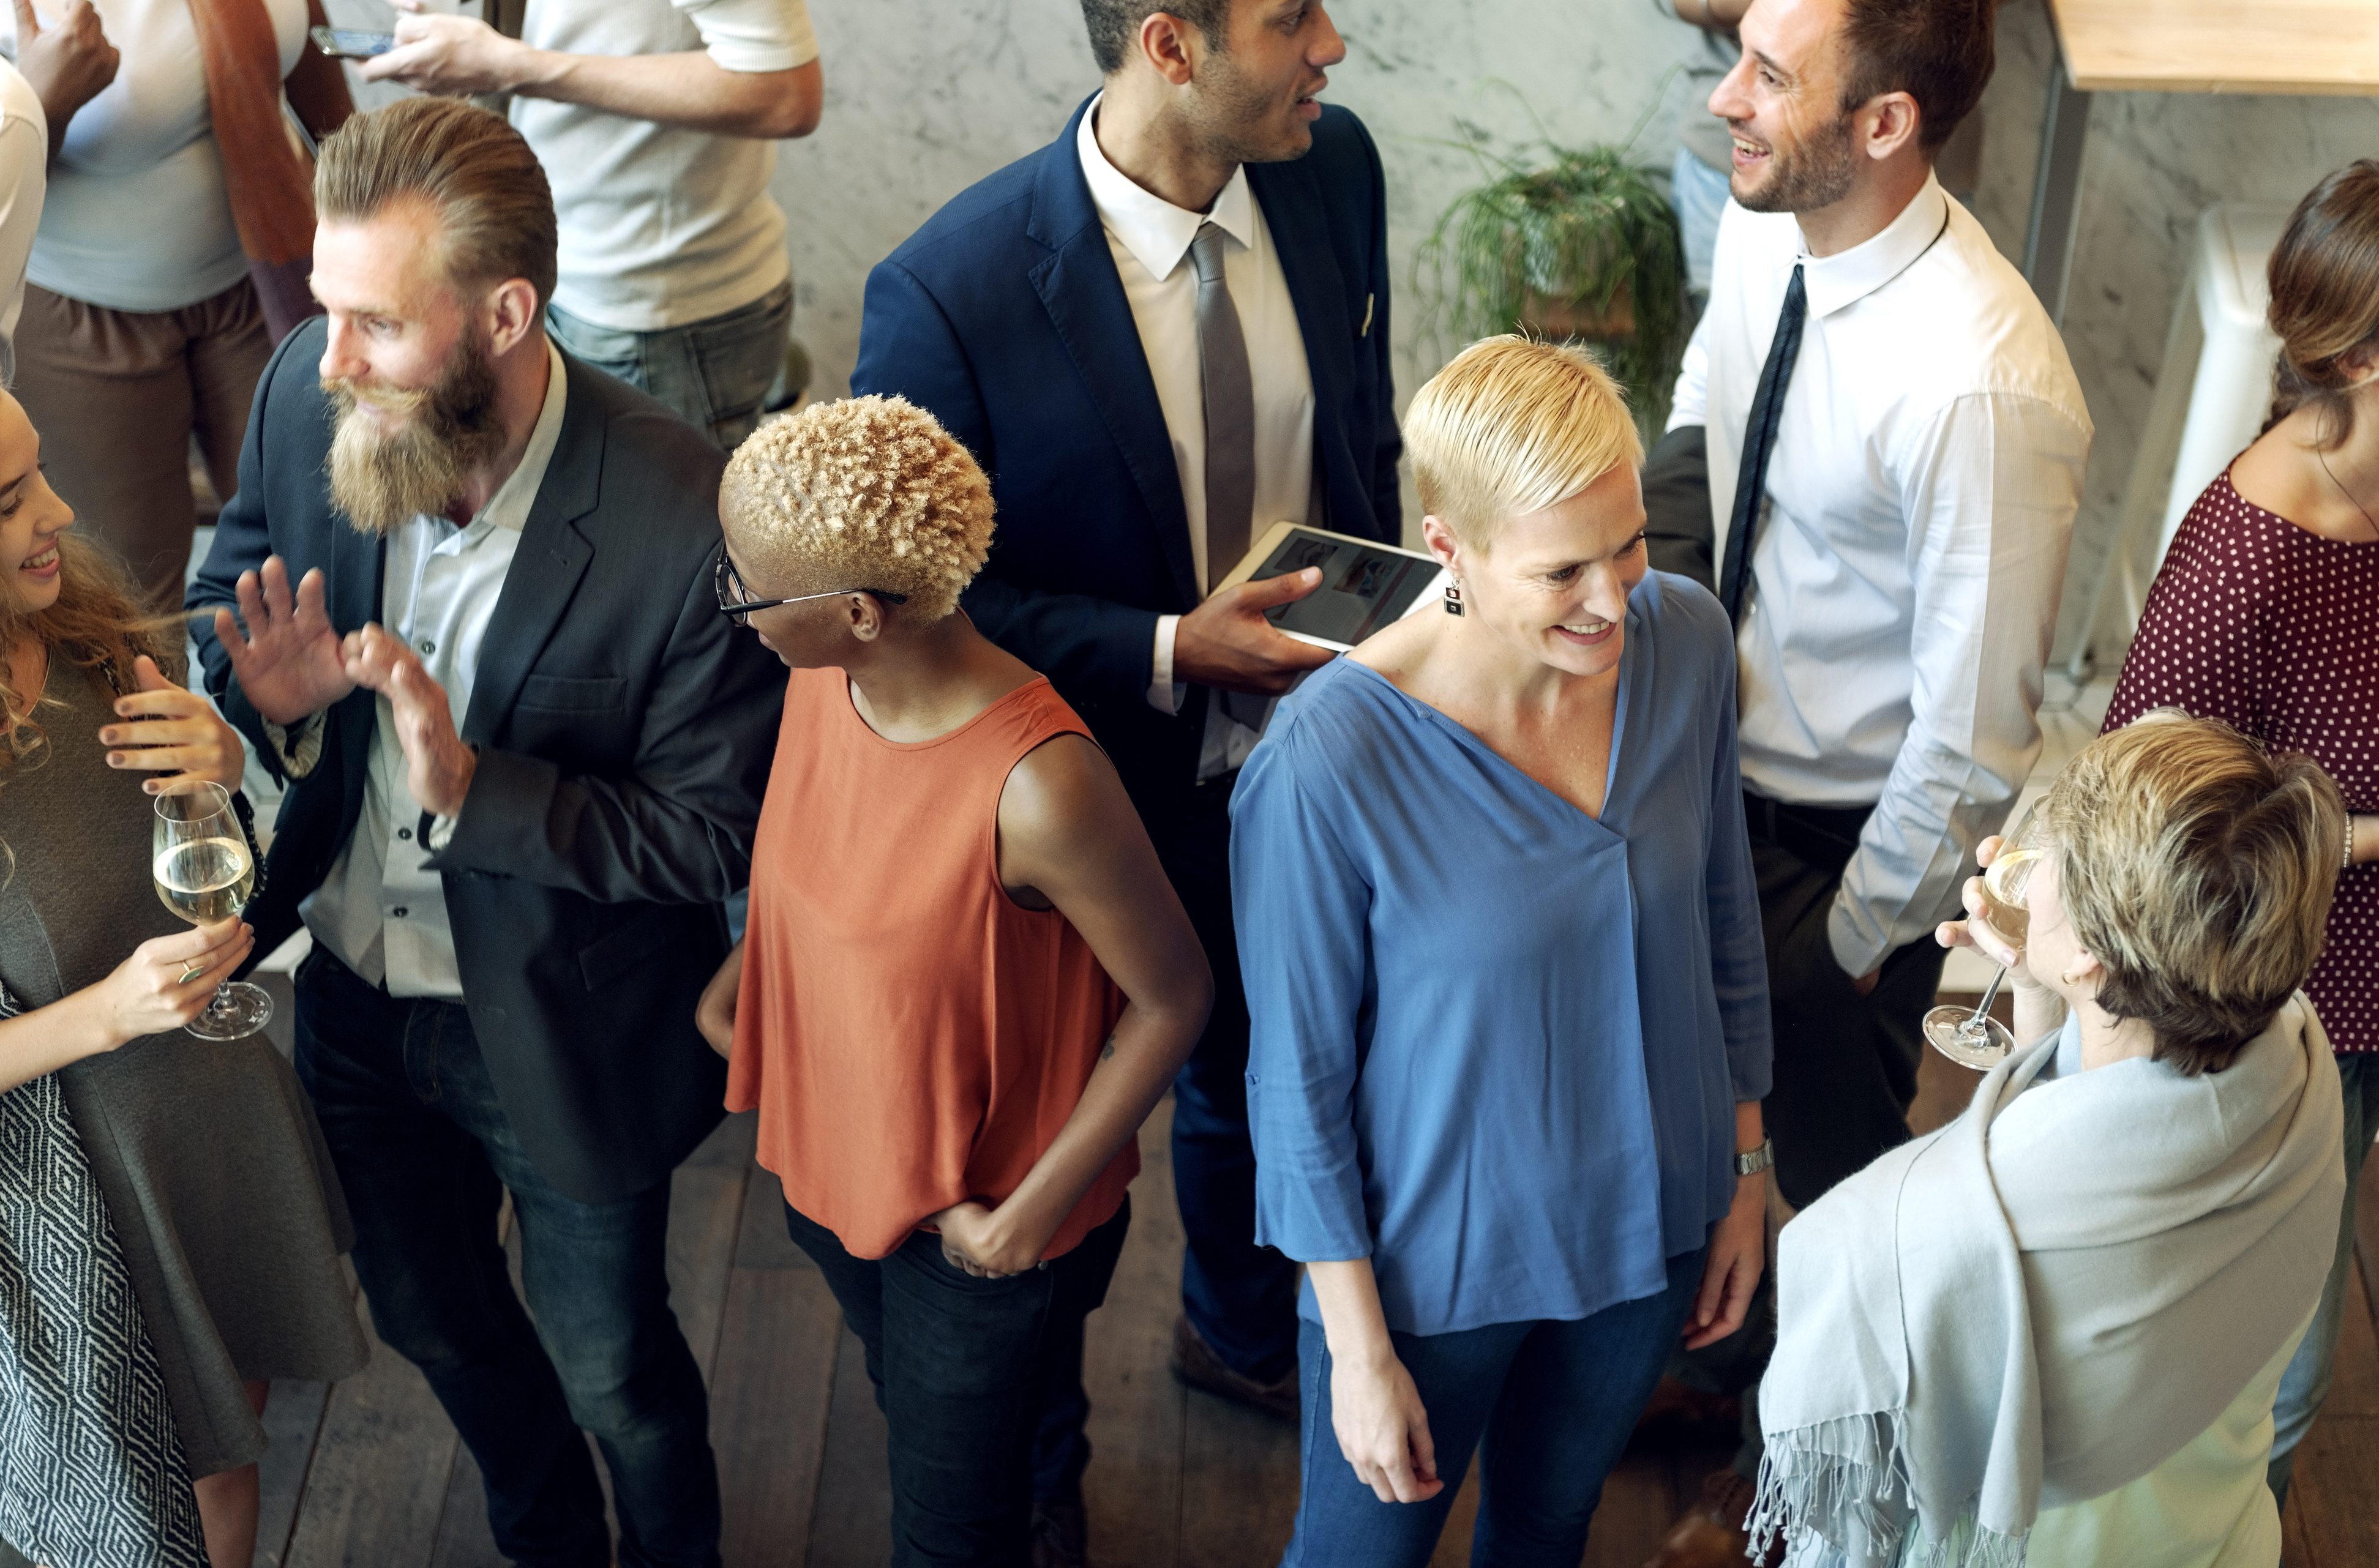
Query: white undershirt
[1150,240]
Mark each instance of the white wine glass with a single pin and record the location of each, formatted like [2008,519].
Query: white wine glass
[205,872]
[1971,1037]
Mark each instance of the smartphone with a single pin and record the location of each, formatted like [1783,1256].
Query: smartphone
[352,43]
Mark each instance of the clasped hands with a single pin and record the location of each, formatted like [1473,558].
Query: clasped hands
[293,664]
[981,1240]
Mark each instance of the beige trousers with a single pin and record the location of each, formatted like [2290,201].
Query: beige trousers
[116,396]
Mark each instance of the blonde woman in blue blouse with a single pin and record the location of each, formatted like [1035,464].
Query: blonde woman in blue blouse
[1502,943]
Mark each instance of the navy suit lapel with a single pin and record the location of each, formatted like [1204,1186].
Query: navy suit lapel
[1078,287]
[551,557]
[1292,211]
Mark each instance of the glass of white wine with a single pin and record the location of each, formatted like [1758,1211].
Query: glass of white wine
[205,874]
[1971,1038]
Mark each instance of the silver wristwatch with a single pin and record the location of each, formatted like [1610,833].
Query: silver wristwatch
[1755,1161]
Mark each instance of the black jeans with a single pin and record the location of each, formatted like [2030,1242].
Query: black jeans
[1240,1298]
[426,1153]
[1846,1070]
[962,1367]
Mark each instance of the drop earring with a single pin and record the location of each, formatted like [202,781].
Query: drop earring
[1453,596]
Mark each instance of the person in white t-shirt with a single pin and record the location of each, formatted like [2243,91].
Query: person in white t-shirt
[655,121]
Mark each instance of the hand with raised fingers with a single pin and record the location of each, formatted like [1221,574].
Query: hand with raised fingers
[438,765]
[289,664]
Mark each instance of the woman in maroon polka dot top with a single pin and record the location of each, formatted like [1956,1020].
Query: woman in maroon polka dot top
[2266,614]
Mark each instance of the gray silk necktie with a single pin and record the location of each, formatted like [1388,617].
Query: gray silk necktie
[1230,409]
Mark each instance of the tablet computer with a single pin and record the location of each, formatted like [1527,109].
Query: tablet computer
[1364,585]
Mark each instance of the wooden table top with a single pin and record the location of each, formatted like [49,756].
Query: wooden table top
[2280,46]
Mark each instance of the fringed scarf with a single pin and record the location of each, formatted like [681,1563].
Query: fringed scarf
[2046,1300]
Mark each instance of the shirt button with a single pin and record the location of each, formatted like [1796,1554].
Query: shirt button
[1251,1077]
[427,646]
[398,911]
[404,833]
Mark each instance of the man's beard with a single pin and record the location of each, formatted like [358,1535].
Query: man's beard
[1817,174]
[382,479]
[1232,112]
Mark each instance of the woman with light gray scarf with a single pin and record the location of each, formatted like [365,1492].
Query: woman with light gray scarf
[2050,1333]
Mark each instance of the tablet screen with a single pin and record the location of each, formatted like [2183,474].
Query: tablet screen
[1363,586]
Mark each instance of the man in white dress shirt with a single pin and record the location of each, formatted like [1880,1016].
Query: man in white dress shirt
[1895,447]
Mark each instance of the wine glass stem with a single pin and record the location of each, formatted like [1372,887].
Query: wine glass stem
[1982,1011]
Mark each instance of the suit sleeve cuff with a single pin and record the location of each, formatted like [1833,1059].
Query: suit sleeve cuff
[299,750]
[1165,693]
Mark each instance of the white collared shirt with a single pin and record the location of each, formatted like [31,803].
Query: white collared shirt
[1150,239]
[1905,576]
[382,910]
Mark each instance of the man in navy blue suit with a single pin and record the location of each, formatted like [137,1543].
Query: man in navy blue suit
[1161,334]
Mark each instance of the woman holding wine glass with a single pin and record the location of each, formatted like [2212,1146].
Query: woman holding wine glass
[2051,1331]
[132,1154]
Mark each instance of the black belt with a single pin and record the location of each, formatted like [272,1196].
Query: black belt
[1823,835]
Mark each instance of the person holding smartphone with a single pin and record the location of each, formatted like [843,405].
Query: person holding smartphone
[656,122]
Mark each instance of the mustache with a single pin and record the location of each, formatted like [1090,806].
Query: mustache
[349,394]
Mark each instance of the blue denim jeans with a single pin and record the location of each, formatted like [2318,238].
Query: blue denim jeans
[715,374]
[961,1368]
[1548,1405]
[2306,1382]
[425,1154]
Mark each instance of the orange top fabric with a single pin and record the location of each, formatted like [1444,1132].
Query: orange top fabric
[913,1036]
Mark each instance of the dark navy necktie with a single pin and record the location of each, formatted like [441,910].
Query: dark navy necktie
[1758,441]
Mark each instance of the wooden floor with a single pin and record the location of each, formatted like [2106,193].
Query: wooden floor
[367,1473]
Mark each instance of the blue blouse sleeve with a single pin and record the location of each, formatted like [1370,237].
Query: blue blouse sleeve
[1302,907]
[1738,954]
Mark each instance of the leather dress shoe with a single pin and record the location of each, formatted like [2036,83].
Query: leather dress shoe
[1710,1533]
[1195,1363]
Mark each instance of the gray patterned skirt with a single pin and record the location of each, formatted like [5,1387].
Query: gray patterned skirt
[92,1473]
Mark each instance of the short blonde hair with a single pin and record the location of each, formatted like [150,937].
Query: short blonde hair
[867,492]
[1511,427]
[2198,868]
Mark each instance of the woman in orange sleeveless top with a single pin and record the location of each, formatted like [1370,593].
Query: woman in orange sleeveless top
[965,982]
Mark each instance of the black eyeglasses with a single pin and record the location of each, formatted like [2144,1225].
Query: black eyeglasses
[734,604]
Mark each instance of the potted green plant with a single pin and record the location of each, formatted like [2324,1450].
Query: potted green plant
[1569,244]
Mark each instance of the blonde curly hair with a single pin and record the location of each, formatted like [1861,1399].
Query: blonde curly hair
[867,492]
